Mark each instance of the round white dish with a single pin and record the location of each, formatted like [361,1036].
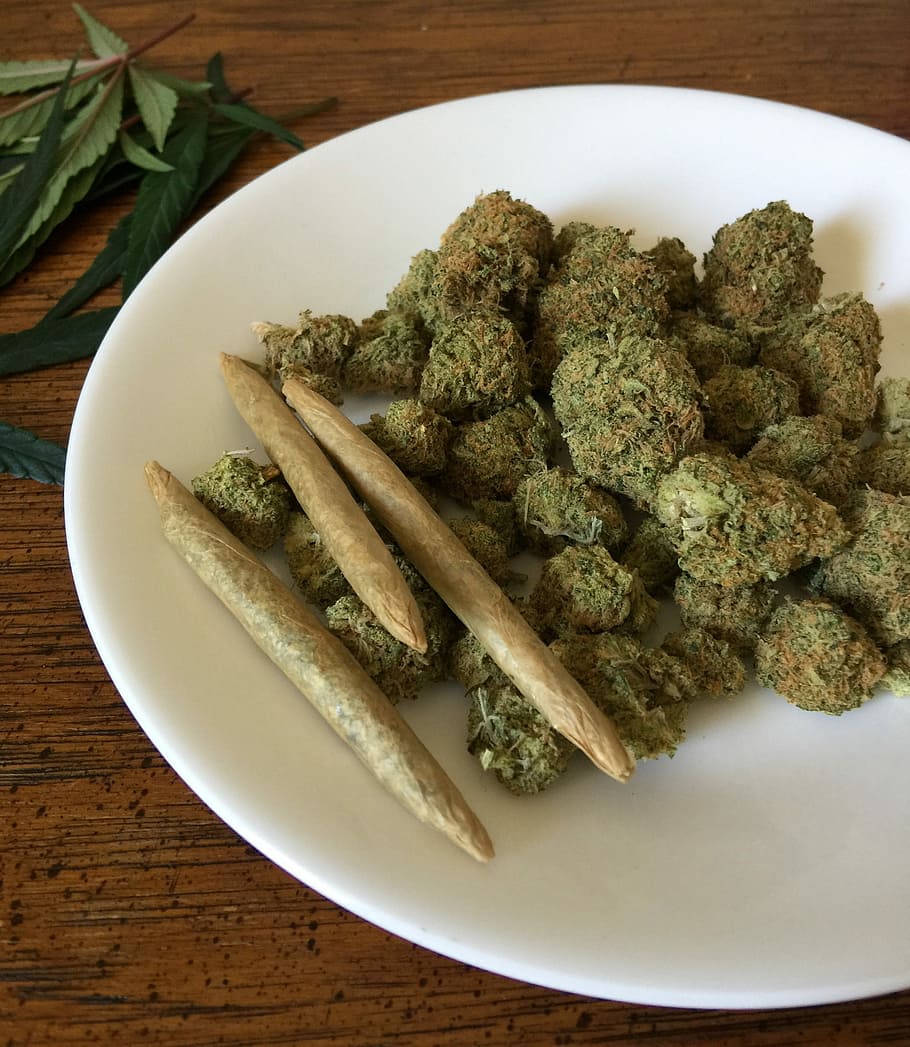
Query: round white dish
[766,864]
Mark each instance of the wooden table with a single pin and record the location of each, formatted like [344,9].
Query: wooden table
[128,912]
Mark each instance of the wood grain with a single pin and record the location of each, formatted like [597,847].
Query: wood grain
[128,912]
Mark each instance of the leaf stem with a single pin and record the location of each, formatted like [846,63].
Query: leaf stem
[101,65]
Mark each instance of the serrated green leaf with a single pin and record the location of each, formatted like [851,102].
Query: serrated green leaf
[156,103]
[28,457]
[19,123]
[249,117]
[18,202]
[88,136]
[140,156]
[186,88]
[106,267]
[19,77]
[222,148]
[55,341]
[164,200]
[214,73]
[103,41]
[74,192]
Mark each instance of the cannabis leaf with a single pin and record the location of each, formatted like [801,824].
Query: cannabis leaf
[81,131]
[23,454]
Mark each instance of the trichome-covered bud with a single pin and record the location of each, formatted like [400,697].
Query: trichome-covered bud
[652,554]
[812,451]
[414,295]
[892,406]
[513,740]
[413,435]
[251,500]
[629,412]
[760,269]
[707,346]
[735,524]
[488,458]
[318,343]
[493,256]
[326,385]
[818,657]
[399,670]
[583,589]
[870,577]
[310,564]
[638,687]
[477,365]
[742,401]
[832,354]
[389,357]
[886,466]
[734,613]
[554,507]
[712,666]
[676,263]
[897,675]
[599,288]
[499,513]
[488,548]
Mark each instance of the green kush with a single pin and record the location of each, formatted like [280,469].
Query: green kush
[734,613]
[742,401]
[251,500]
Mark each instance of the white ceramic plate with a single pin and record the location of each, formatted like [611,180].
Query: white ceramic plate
[767,863]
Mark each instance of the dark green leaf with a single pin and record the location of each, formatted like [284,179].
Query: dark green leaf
[55,341]
[104,270]
[221,150]
[19,201]
[103,41]
[187,88]
[214,73]
[27,121]
[249,117]
[24,455]
[155,102]
[87,138]
[164,200]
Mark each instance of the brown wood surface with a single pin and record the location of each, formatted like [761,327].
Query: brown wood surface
[128,912]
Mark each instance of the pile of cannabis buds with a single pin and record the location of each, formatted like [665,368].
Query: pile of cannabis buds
[723,440]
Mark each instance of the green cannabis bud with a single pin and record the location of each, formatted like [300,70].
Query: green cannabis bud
[707,346]
[639,688]
[629,412]
[413,435]
[414,295]
[676,263]
[870,577]
[311,566]
[513,740]
[499,513]
[735,524]
[818,657]
[326,385]
[709,662]
[892,406]
[897,676]
[318,343]
[488,458]
[389,356]
[742,401]
[812,451]
[583,589]
[493,256]
[399,670]
[555,507]
[832,354]
[488,547]
[251,500]
[734,613]
[599,288]
[760,269]
[886,466]
[652,554]
[477,365]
